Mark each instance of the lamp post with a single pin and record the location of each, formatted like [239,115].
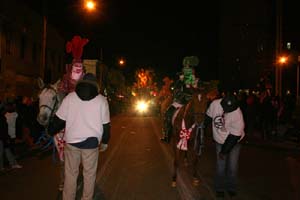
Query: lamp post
[282,60]
[89,5]
[278,46]
[297,88]
[44,41]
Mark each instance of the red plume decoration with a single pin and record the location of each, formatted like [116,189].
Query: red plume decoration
[75,46]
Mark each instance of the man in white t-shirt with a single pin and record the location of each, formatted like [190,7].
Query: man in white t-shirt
[85,116]
[11,116]
[228,130]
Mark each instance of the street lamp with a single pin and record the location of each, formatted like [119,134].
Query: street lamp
[90,5]
[282,60]
[121,62]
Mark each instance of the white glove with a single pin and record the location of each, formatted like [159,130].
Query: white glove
[103,147]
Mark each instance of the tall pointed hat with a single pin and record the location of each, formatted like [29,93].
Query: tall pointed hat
[75,46]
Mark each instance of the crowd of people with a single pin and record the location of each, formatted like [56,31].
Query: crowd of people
[267,114]
[18,126]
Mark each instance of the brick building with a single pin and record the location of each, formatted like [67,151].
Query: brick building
[21,31]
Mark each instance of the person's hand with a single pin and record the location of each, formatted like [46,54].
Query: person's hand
[103,147]
[221,156]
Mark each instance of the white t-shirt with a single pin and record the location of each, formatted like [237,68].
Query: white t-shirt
[83,118]
[224,124]
[11,122]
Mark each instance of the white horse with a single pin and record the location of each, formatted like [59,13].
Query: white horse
[49,101]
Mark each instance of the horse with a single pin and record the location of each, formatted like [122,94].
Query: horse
[188,133]
[49,101]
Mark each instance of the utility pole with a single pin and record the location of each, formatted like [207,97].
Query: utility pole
[297,92]
[44,41]
[278,74]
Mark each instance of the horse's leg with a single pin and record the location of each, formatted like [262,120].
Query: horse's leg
[174,177]
[195,172]
[175,166]
[185,159]
[198,145]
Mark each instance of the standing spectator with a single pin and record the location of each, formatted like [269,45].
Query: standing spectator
[25,120]
[267,114]
[85,116]
[11,118]
[251,113]
[228,130]
[4,144]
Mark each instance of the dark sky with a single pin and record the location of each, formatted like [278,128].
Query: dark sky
[152,33]
[156,33]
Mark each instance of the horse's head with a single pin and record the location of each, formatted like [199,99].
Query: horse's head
[49,101]
[198,105]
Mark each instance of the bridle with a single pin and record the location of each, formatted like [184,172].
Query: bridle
[55,106]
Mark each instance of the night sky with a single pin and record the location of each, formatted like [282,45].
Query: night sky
[152,33]
[146,33]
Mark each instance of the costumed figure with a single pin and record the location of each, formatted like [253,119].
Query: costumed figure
[188,70]
[75,71]
[165,92]
[183,91]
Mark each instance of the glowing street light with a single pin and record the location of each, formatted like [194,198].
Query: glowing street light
[90,5]
[121,62]
[282,60]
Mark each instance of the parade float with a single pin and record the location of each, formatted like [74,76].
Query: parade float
[144,92]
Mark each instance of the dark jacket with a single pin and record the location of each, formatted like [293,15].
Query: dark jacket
[4,137]
[181,93]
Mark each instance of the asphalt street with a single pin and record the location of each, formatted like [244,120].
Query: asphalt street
[138,166]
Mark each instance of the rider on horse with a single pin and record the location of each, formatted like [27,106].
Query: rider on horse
[182,93]
[75,71]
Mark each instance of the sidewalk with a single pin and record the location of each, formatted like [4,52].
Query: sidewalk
[255,139]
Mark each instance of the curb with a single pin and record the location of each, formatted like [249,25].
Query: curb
[287,146]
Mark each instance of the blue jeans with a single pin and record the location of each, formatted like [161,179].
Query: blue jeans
[226,170]
[9,155]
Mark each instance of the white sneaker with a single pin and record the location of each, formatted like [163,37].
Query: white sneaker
[61,187]
[16,166]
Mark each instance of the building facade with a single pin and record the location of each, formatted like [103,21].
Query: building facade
[21,34]
[247,42]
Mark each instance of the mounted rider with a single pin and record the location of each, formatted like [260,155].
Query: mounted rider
[182,93]
[74,71]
